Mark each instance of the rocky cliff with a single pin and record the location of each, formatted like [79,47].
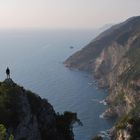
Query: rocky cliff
[114,59]
[28,117]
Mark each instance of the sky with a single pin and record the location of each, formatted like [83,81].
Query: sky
[65,14]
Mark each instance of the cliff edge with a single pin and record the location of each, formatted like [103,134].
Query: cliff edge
[29,117]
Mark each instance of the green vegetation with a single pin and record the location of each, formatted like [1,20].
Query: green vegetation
[63,124]
[65,121]
[133,72]
[123,121]
[135,133]
[34,100]
[11,137]
[133,119]
[123,38]
[119,99]
[9,105]
[3,133]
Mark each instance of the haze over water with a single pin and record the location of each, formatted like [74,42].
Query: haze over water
[36,62]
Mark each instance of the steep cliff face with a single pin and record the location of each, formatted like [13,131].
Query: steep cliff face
[124,98]
[124,95]
[114,59]
[28,117]
[114,38]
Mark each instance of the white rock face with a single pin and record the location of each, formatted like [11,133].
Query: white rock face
[123,135]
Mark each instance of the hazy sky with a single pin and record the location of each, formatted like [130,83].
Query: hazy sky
[65,13]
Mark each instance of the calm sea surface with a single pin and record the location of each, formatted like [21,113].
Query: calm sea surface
[36,62]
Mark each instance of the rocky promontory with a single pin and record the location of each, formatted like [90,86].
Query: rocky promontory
[27,116]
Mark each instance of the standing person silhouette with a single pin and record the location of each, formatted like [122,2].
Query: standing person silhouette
[8,73]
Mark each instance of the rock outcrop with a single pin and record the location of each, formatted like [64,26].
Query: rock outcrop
[28,117]
[114,59]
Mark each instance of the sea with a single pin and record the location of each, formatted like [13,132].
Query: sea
[35,58]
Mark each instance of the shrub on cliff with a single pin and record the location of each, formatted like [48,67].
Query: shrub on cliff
[131,123]
[65,121]
[9,105]
[3,133]
[34,100]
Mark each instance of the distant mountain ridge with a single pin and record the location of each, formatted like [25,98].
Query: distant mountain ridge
[114,59]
